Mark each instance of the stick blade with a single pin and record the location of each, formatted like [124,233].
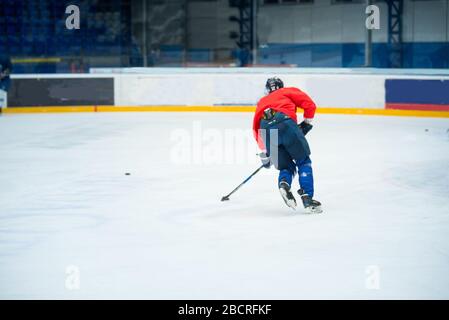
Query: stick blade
[225,198]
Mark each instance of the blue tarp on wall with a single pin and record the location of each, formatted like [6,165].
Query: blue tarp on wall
[415,54]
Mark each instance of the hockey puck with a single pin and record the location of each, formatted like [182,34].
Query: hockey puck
[127,174]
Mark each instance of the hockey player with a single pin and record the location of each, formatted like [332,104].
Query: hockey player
[5,81]
[5,70]
[283,141]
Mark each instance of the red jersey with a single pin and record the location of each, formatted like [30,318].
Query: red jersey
[284,100]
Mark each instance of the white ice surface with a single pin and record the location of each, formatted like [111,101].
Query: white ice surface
[162,231]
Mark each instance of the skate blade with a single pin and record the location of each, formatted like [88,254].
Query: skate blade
[313,210]
[289,202]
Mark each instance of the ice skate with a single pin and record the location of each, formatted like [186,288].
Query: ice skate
[287,195]
[310,205]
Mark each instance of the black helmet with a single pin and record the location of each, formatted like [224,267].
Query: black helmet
[273,84]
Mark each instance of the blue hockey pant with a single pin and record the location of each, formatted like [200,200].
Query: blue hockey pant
[288,150]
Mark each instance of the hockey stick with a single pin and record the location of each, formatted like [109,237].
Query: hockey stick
[225,198]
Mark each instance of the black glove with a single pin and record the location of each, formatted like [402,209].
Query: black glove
[265,158]
[305,127]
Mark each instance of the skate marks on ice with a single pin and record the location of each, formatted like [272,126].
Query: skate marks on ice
[58,207]
[23,231]
[429,177]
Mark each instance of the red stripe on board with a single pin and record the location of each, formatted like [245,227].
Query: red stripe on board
[416,106]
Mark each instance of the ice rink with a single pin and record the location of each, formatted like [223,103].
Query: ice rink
[73,225]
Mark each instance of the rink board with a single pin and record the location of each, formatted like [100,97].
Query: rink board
[348,111]
[349,91]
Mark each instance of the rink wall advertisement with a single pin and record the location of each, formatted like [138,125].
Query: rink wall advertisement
[417,94]
[37,92]
[349,91]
